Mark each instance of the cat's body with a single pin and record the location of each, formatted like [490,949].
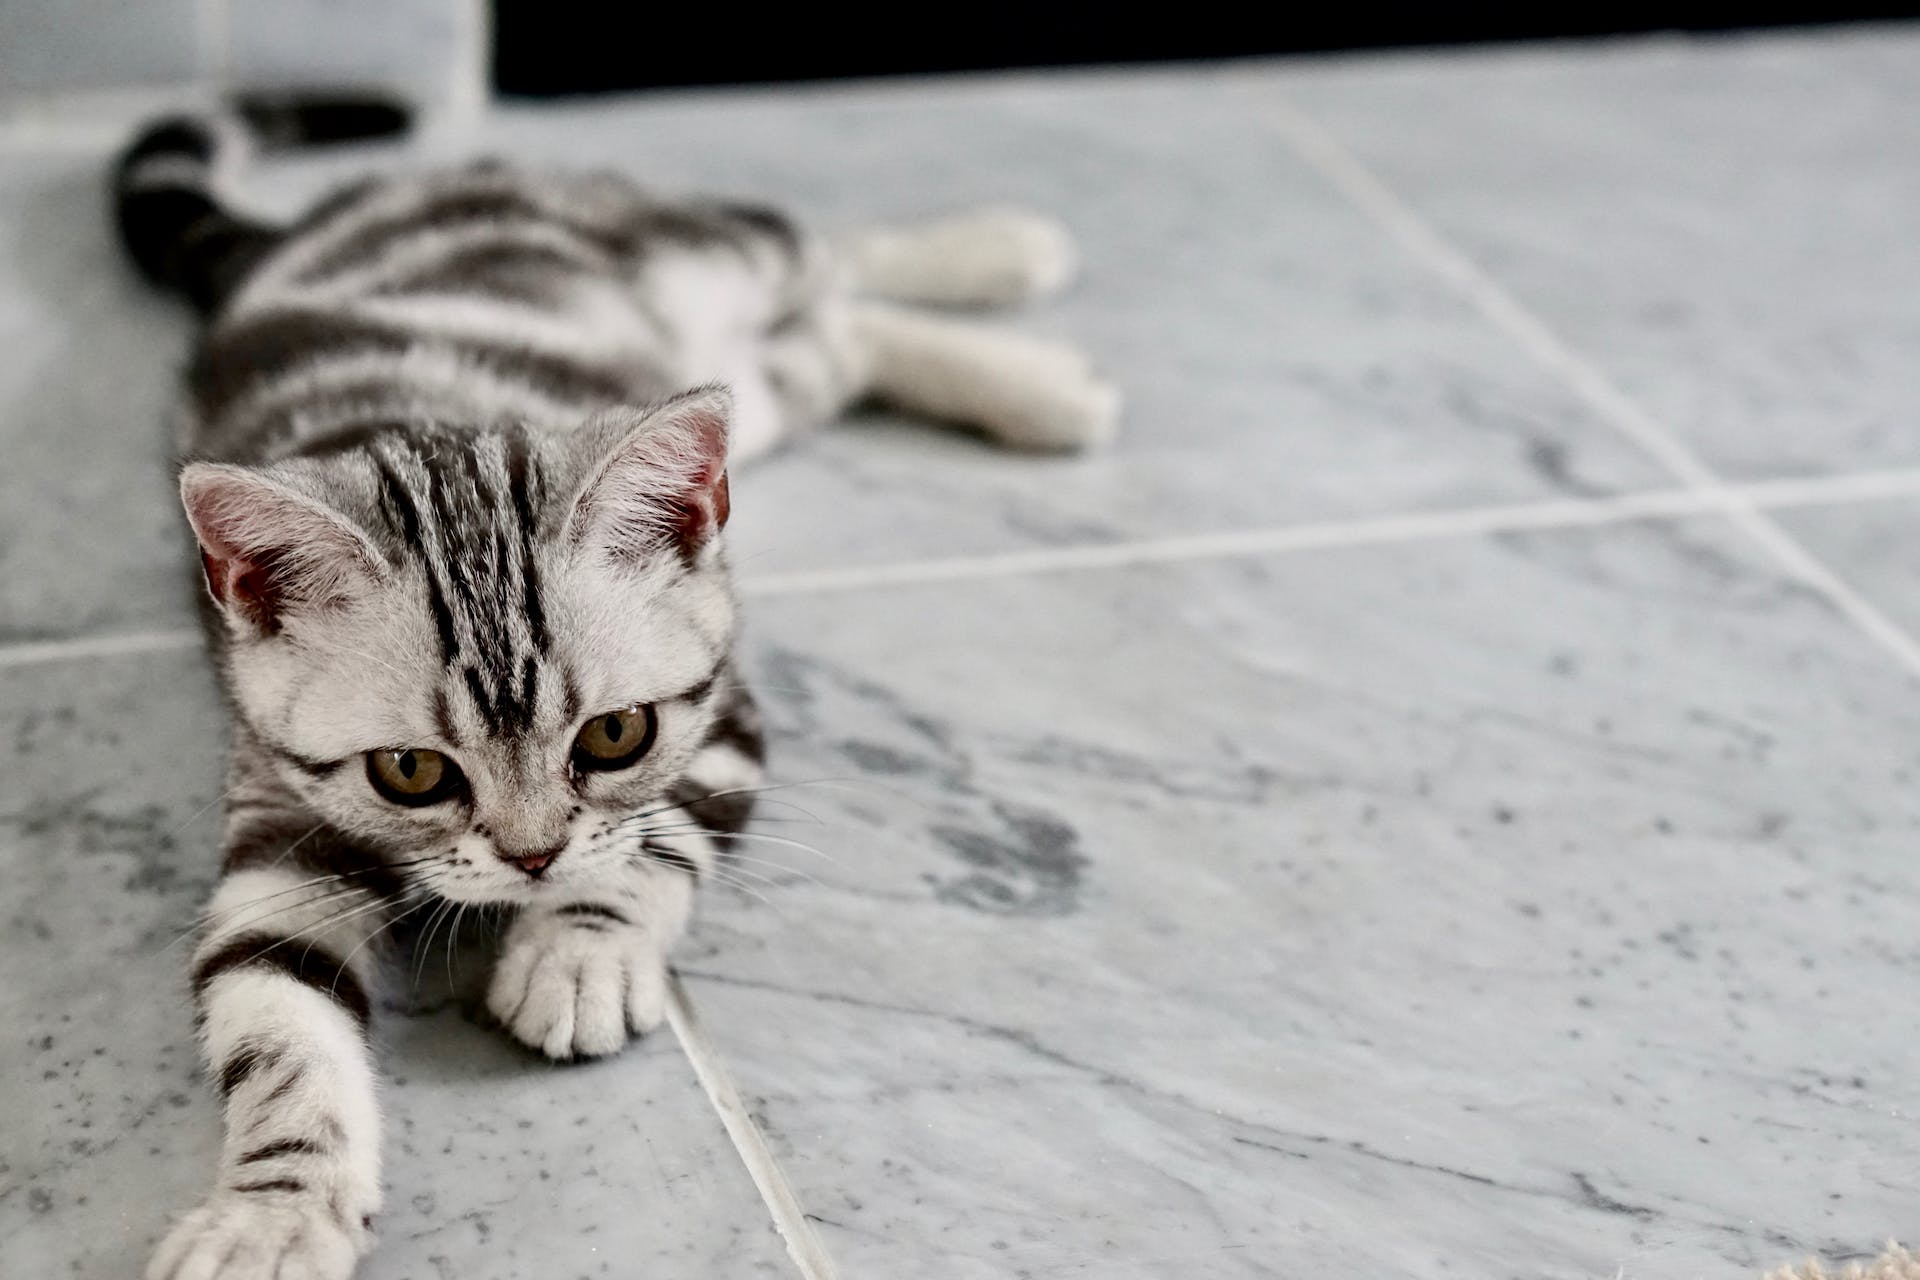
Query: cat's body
[470,605]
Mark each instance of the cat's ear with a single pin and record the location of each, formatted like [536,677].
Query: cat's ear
[268,549]
[661,478]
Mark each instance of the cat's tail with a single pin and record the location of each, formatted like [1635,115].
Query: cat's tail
[166,193]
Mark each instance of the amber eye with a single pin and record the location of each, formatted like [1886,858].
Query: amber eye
[413,775]
[614,739]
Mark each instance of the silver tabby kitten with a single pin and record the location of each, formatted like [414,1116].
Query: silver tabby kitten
[459,449]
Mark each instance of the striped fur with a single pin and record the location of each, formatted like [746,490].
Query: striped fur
[458,448]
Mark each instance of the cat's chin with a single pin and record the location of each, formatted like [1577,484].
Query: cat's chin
[502,895]
[521,890]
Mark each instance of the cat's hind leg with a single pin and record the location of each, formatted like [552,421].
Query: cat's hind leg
[1023,391]
[989,258]
[758,306]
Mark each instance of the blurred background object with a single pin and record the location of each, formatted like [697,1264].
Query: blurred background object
[540,49]
[435,50]
[446,53]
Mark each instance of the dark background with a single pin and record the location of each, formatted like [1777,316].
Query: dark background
[567,46]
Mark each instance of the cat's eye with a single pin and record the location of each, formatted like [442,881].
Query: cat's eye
[615,739]
[413,775]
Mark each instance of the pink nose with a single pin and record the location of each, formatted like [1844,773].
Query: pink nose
[536,864]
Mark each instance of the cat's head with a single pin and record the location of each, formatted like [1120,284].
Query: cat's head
[478,653]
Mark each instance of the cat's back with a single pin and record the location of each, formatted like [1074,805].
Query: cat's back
[474,295]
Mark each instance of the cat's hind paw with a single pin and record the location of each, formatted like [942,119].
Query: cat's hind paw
[988,258]
[576,985]
[266,1234]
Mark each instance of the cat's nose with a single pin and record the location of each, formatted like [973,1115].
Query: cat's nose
[534,864]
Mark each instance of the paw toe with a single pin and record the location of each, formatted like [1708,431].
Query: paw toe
[599,1021]
[579,995]
[1035,255]
[647,998]
[234,1237]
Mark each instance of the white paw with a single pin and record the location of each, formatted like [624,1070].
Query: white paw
[575,986]
[1009,255]
[1050,397]
[263,1235]
[984,259]
[1077,412]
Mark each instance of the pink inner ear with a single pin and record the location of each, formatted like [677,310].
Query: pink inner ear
[264,548]
[704,511]
[704,502]
[665,482]
[241,585]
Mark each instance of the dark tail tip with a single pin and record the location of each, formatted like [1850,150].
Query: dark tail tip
[170,217]
[170,223]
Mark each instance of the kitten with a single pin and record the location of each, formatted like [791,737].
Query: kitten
[458,474]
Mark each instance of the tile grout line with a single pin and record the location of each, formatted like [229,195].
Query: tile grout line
[1348,175]
[1425,526]
[1330,535]
[789,1219]
[113,644]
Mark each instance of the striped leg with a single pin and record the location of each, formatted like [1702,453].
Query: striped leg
[281,982]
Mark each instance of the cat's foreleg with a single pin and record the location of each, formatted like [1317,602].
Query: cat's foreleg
[576,976]
[281,982]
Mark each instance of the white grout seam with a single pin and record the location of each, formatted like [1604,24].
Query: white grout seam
[1500,308]
[1570,513]
[803,1246]
[1330,535]
[121,644]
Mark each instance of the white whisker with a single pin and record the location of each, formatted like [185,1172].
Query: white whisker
[745,835]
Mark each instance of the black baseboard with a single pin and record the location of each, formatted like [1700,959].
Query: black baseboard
[566,47]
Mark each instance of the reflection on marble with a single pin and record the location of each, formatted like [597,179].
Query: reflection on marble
[1724,225]
[1522,906]
[500,1165]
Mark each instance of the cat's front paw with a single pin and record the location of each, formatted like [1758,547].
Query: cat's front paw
[260,1235]
[574,985]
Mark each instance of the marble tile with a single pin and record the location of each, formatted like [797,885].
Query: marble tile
[500,1165]
[1722,225]
[1528,906]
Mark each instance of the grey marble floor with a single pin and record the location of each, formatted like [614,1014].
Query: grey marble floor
[1436,799]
